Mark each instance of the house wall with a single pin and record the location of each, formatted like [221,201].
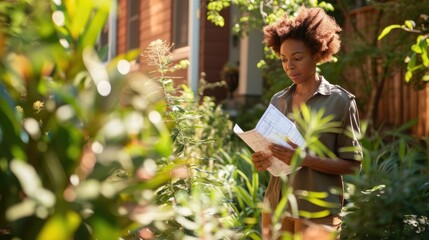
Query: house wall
[156,23]
[122,27]
[214,52]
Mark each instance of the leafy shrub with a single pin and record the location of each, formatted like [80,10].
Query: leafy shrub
[76,158]
[388,200]
[201,197]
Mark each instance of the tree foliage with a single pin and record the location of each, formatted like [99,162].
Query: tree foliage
[418,59]
[371,62]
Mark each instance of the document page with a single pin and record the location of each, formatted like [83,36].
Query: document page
[274,127]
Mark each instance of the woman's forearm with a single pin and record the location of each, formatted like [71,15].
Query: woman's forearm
[331,166]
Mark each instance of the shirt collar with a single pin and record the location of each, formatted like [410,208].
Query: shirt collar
[324,87]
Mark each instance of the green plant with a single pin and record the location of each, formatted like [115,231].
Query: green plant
[76,162]
[418,59]
[200,129]
[256,14]
[388,200]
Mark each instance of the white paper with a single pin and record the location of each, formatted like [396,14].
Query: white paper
[274,127]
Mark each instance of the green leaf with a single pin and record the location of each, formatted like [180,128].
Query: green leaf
[96,24]
[248,184]
[245,196]
[416,47]
[104,227]
[410,24]
[79,13]
[280,209]
[412,61]
[387,30]
[255,183]
[62,226]
[424,46]
[321,203]
[402,149]
[164,144]
[319,214]
[408,76]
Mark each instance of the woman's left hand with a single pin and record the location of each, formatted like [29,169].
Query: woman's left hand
[283,153]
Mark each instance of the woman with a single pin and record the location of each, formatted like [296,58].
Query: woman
[301,43]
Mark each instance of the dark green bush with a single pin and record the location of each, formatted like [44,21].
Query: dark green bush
[389,199]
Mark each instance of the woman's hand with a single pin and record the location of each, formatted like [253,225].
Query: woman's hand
[262,160]
[283,153]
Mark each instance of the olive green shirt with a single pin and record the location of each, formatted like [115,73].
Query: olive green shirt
[342,106]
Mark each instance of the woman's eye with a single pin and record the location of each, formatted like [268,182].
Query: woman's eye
[283,60]
[298,59]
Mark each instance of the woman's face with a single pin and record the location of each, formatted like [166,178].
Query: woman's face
[297,60]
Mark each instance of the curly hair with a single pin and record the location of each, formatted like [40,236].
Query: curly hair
[313,26]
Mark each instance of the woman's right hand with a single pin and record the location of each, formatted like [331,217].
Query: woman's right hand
[262,160]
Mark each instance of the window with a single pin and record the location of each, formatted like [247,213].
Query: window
[133,28]
[180,23]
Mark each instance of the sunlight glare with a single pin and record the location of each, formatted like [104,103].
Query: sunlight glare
[124,67]
[32,127]
[65,113]
[134,123]
[97,147]
[58,18]
[155,117]
[64,43]
[104,88]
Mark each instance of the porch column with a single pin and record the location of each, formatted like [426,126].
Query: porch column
[251,52]
[194,45]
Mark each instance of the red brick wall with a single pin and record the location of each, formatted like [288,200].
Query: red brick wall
[156,23]
[122,27]
[214,51]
